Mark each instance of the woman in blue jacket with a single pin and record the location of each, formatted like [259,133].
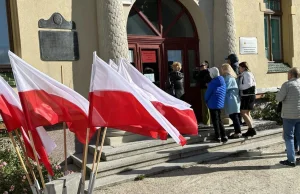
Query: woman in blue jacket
[232,99]
[214,98]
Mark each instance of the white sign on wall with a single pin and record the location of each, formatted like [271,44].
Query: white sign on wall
[248,45]
[127,2]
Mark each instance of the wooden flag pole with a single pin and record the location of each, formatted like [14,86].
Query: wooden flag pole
[65,131]
[84,160]
[37,160]
[98,161]
[94,160]
[21,160]
[36,183]
[25,153]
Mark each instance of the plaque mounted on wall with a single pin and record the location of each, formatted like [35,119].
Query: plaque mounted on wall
[58,45]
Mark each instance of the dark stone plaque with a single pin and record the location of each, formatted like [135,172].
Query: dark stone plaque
[59,45]
[57,21]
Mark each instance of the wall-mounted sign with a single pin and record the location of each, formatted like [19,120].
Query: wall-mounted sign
[127,2]
[248,45]
[149,56]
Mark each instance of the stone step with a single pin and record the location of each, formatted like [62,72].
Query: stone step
[151,158]
[130,149]
[103,182]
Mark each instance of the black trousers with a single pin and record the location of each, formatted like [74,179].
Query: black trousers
[217,123]
[236,122]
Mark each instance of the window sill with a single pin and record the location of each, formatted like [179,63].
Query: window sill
[278,67]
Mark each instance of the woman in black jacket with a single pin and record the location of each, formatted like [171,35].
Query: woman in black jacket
[176,84]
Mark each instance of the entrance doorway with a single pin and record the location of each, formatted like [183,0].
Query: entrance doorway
[161,32]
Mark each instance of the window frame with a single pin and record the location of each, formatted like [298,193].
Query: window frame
[277,13]
[7,67]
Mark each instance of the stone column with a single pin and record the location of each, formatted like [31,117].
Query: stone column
[225,41]
[113,42]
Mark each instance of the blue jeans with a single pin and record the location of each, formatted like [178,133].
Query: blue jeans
[291,127]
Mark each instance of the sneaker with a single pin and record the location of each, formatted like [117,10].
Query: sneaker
[235,136]
[287,163]
[224,139]
[217,140]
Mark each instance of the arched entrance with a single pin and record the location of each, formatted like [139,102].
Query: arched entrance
[161,32]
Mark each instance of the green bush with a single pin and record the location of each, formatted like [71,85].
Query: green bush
[267,109]
[12,176]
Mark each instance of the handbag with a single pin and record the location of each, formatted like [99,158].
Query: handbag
[170,87]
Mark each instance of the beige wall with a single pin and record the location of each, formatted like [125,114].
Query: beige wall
[83,13]
[250,23]
[296,31]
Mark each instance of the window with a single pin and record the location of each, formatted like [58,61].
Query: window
[273,37]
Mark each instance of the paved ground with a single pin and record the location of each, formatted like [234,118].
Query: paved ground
[256,172]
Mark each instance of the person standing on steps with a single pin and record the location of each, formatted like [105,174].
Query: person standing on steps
[247,86]
[214,98]
[175,84]
[289,95]
[233,61]
[232,99]
[201,75]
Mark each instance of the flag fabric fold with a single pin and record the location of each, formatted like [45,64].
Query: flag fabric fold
[46,101]
[119,104]
[13,117]
[176,111]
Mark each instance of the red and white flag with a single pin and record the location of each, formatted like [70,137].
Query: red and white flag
[119,104]
[13,117]
[46,101]
[176,111]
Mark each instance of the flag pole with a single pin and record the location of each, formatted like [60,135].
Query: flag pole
[98,161]
[65,129]
[33,189]
[37,161]
[84,161]
[36,183]
[94,160]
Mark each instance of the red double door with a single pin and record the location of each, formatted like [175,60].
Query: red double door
[154,60]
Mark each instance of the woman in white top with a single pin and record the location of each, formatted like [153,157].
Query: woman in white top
[247,86]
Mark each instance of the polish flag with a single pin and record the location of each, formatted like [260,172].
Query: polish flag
[13,117]
[176,111]
[142,130]
[119,104]
[45,101]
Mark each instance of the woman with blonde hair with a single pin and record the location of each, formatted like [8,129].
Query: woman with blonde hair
[175,85]
[232,99]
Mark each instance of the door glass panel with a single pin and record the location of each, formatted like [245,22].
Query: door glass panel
[150,9]
[135,25]
[174,56]
[267,37]
[131,56]
[150,65]
[192,65]
[182,28]
[4,37]
[276,38]
[170,9]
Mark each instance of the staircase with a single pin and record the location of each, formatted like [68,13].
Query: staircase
[138,159]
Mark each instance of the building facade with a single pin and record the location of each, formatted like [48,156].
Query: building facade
[153,34]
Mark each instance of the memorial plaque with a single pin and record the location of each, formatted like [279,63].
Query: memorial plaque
[59,45]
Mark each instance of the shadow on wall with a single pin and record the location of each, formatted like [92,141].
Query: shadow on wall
[84,15]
